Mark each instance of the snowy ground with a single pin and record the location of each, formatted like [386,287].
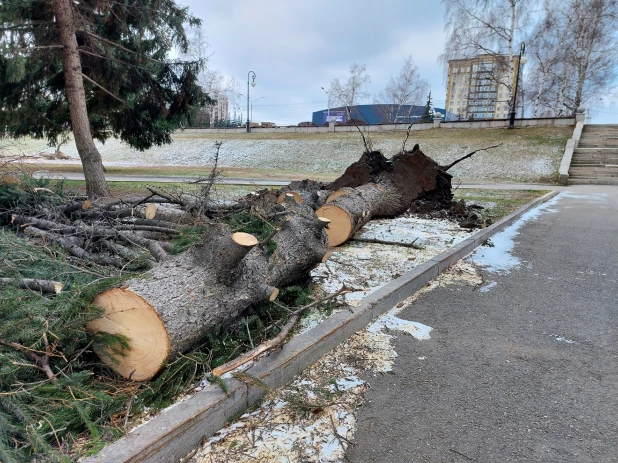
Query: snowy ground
[524,156]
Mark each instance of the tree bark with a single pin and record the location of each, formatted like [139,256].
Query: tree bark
[96,186]
[213,283]
[44,286]
[375,186]
[216,281]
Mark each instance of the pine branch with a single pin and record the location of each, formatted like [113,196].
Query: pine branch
[115,60]
[96,84]
[114,44]
[275,342]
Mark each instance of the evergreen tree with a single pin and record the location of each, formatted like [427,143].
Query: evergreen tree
[98,68]
[428,113]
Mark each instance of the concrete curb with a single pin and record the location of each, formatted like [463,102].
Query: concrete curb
[177,430]
[571,145]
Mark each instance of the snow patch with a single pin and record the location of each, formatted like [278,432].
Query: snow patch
[497,257]
[487,287]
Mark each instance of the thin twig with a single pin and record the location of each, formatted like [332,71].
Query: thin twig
[168,197]
[249,332]
[126,417]
[367,150]
[277,341]
[339,436]
[403,147]
[393,243]
[96,84]
[457,161]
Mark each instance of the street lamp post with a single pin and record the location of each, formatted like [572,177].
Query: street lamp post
[328,106]
[522,50]
[253,101]
[248,107]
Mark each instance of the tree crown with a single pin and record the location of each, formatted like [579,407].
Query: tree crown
[134,90]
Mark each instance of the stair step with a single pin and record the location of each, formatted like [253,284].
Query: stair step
[587,160]
[593,181]
[585,144]
[584,150]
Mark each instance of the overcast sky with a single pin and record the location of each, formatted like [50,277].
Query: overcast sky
[297,47]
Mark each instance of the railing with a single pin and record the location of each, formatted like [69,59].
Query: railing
[437,123]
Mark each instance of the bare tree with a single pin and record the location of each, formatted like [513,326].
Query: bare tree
[221,89]
[401,92]
[354,90]
[491,27]
[545,50]
[575,56]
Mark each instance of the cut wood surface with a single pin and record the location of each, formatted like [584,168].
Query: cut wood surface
[44,286]
[150,211]
[214,283]
[217,281]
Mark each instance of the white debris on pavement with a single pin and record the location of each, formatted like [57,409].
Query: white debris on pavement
[369,266]
[486,288]
[313,419]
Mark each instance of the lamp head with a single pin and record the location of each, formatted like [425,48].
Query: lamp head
[523,60]
[253,84]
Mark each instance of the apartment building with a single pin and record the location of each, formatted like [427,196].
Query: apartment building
[480,87]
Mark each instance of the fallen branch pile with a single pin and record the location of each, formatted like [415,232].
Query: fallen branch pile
[228,271]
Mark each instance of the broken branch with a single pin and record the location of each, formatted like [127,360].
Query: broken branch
[274,342]
[457,161]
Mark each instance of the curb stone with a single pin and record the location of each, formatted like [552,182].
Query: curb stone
[177,430]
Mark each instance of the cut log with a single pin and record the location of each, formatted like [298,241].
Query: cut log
[44,286]
[335,194]
[213,283]
[350,211]
[376,187]
[308,192]
[294,194]
[150,211]
[217,281]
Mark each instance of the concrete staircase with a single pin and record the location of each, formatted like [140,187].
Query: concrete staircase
[595,160]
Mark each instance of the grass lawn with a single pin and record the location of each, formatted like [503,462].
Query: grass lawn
[530,154]
[497,203]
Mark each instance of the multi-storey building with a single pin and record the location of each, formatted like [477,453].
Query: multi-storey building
[480,87]
[218,111]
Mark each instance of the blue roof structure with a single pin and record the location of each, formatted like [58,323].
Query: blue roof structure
[374,114]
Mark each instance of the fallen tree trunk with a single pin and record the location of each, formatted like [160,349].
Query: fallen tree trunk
[213,283]
[354,207]
[217,281]
[375,187]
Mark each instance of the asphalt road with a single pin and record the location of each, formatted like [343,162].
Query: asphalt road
[524,372]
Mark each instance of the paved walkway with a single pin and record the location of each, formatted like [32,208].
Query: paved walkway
[272,182]
[521,369]
[164,179]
